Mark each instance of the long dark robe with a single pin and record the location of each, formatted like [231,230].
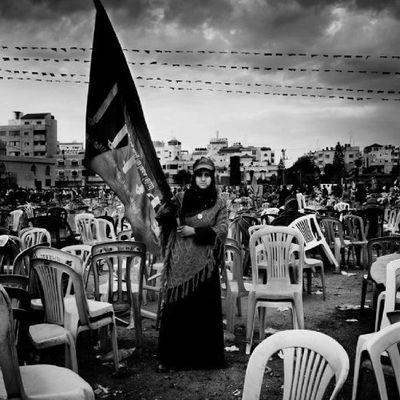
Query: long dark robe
[191,331]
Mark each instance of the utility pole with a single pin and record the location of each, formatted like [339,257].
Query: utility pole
[283,166]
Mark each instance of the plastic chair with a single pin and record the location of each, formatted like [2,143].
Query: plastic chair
[235,286]
[332,229]
[34,381]
[60,232]
[376,248]
[15,220]
[393,225]
[275,245]
[104,229]
[52,332]
[81,313]
[85,225]
[10,246]
[341,208]
[314,238]
[84,252]
[354,230]
[390,296]
[33,236]
[311,360]
[375,345]
[126,263]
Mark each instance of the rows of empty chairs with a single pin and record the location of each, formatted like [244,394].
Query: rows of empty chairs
[60,281]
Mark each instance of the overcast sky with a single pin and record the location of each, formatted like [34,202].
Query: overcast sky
[260,72]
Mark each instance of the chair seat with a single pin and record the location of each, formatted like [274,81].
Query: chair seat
[42,382]
[48,335]
[276,291]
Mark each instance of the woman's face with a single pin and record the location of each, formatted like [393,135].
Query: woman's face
[203,178]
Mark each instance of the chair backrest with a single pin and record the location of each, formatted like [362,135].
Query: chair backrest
[10,246]
[275,245]
[125,269]
[392,286]
[8,352]
[85,225]
[353,226]
[386,340]
[104,229]
[15,220]
[22,262]
[33,236]
[341,206]
[126,234]
[310,230]
[84,252]
[332,229]
[52,224]
[311,360]
[380,246]
[49,269]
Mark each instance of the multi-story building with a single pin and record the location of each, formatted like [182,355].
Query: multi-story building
[381,157]
[327,155]
[70,168]
[31,148]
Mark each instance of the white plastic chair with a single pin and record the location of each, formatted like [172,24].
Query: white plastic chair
[313,238]
[273,246]
[311,360]
[15,220]
[388,297]
[32,236]
[382,343]
[392,226]
[32,382]
[104,230]
[236,288]
[85,227]
[341,207]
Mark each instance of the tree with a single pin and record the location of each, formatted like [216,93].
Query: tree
[338,161]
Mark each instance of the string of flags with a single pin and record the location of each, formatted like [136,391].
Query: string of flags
[238,67]
[230,52]
[207,82]
[246,92]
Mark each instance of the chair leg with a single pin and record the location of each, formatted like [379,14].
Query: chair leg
[322,272]
[70,354]
[261,313]
[114,343]
[231,300]
[363,293]
[137,317]
[356,376]
[251,310]
[298,305]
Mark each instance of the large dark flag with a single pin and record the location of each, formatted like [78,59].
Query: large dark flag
[118,143]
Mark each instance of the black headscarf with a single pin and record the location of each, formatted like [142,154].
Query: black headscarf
[196,200]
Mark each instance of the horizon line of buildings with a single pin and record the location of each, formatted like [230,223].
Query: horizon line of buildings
[31,156]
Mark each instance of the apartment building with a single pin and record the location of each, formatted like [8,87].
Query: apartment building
[70,169]
[31,148]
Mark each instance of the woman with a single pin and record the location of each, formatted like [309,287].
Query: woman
[195,229]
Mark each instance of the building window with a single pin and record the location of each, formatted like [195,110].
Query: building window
[38,122]
[47,170]
[48,182]
[74,163]
[33,169]
[26,123]
[61,174]
[61,163]
[26,133]
[26,154]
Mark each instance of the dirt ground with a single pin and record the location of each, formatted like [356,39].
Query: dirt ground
[138,379]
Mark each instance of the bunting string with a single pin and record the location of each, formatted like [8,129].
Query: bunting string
[207,82]
[228,91]
[220,52]
[232,67]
